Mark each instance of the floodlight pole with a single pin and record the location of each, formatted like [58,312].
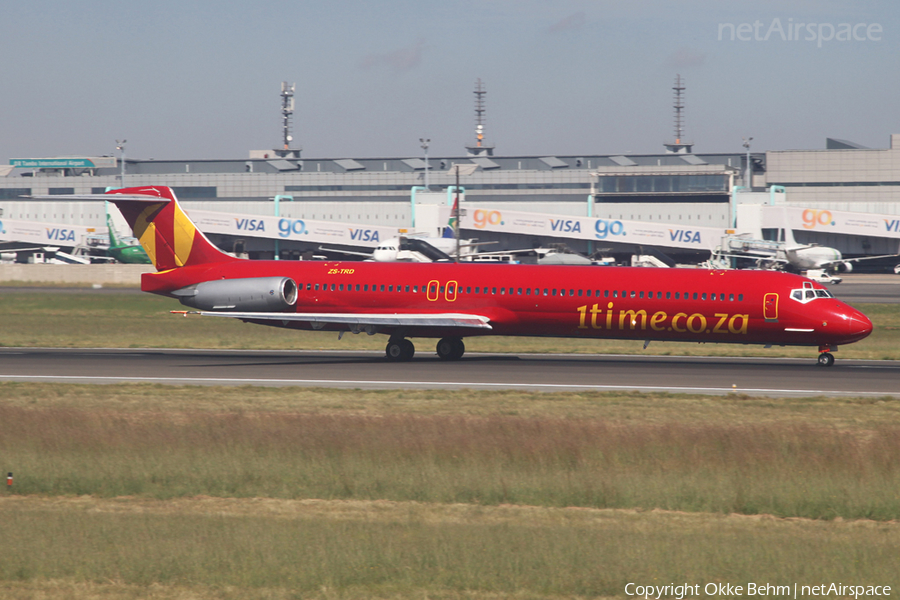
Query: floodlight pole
[425,143]
[748,183]
[456,209]
[456,167]
[120,145]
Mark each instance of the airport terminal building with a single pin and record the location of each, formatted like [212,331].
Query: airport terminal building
[675,189]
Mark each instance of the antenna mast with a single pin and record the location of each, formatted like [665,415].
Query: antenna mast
[679,147]
[679,108]
[480,148]
[479,112]
[287,109]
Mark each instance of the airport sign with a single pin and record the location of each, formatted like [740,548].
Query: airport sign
[93,162]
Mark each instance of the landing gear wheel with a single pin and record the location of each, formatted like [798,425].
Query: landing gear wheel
[408,349]
[401,350]
[451,348]
[826,359]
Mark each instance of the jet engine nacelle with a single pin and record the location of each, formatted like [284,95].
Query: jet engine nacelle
[256,294]
[846,267]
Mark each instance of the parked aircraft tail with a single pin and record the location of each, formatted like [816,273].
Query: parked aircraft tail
[166,233]
[113,241]
[450,229]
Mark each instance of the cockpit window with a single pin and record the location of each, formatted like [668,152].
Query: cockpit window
[808,293]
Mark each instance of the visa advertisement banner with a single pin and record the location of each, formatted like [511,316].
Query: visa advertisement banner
[289,228]
[831,221]
[43,234]
[592,228]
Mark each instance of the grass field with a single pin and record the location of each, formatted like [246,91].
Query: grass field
[205,547]
[149,491]
[176,492]
[780,467]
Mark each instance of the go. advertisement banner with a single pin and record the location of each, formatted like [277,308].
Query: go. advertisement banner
[831,221]
[592,228]
[289,228]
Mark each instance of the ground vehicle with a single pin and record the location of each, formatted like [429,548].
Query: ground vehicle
[822,276]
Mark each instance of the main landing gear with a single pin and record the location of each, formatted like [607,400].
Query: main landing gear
[399,350]
[402,350]
[826,358]
[450,348]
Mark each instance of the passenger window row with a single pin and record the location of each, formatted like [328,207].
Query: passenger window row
[503,291]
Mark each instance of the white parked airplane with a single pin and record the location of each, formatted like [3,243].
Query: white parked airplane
[787,252]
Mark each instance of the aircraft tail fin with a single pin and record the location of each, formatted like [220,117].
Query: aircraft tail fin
[166,233]
[113,240]
[452,225]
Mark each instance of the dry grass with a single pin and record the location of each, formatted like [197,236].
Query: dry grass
[786,469]
[261,548]
[633,407]
[176,493]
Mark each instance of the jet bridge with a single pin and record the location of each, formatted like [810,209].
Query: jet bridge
[745,243]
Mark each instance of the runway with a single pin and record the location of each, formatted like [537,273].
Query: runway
[865,288]
[369,370]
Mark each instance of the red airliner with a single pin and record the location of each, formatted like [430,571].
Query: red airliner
[452,301]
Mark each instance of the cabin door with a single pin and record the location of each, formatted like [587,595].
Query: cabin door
[770,307]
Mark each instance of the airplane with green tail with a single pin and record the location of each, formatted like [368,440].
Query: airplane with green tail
[126,249]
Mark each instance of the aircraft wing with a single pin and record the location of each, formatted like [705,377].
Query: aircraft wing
[359,321]
[347,252]
[504,252]
[514,252]
[861,258]
[10,246]
[474,244]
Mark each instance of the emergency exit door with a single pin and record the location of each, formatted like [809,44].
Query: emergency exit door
[770,307]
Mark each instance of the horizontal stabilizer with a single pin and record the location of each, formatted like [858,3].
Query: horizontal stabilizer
[102,197]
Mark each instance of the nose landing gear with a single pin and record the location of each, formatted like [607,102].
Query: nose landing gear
[826,358]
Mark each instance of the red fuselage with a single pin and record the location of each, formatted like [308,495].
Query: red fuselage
[759,307]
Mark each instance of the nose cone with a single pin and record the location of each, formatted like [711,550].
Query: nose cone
[852,324]
[858,324]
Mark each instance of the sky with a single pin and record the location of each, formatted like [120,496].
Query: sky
[202,79]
